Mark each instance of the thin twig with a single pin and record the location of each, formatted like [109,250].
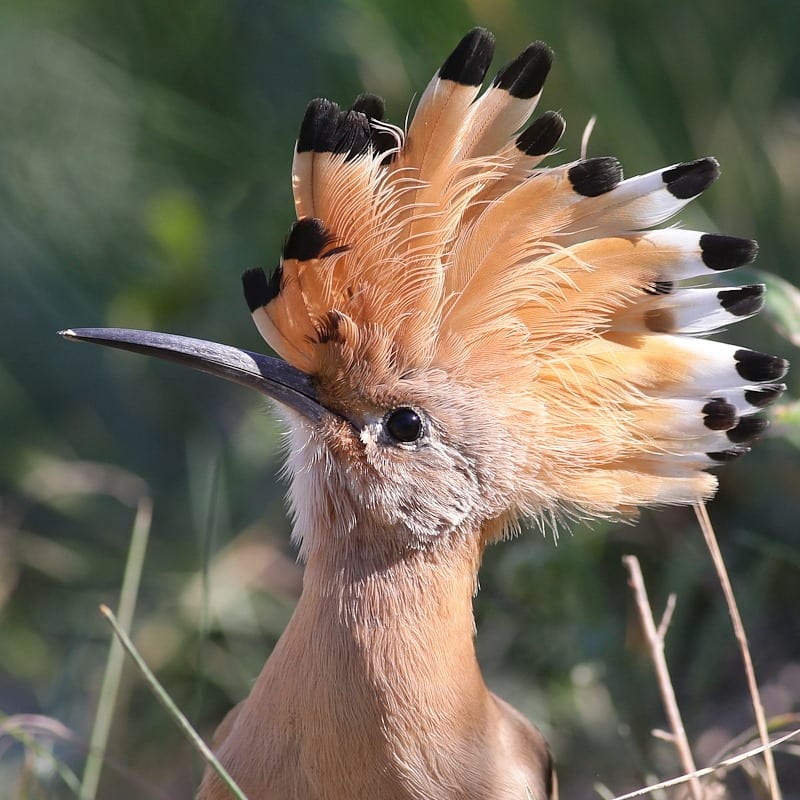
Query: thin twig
[161,695]
[655,640]
[741,638]
[665,736]
[666,617]
[743,739]
[702,773]
[116,657]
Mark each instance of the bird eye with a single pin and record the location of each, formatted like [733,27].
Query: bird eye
[404,425]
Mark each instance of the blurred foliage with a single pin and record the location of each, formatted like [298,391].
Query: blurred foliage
[144,152]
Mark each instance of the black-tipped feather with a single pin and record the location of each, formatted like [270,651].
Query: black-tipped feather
[718,414]
[258,289]
[469,62]
[326,129]
[542,135]
[370,105]
[595,176]
[757,367]
[526,74]
[748,429]
[691,178]
[742,301]
[763,396]
[353,134]
[727,252]
[318,126]
[308,238]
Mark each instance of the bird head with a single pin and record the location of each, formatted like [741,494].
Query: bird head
[468,337]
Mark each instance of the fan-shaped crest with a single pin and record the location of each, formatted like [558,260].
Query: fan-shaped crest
[448,247]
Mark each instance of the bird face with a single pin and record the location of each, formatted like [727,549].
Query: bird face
[409,466]
[391,462]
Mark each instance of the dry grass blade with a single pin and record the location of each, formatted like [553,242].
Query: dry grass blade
[741,638]
[166,701]
[655,640]
[747,738]
[702,773]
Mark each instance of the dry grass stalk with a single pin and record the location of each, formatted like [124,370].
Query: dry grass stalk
[741,638]
[655,636]
[719,766]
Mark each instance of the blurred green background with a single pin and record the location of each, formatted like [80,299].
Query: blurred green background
[144,164]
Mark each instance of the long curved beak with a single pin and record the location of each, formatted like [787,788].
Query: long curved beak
[270,376]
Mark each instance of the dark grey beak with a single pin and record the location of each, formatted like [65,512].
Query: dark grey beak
[270,376]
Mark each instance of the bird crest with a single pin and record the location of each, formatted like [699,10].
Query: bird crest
[547,294]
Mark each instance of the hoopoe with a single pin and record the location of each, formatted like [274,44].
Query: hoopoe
[468,338]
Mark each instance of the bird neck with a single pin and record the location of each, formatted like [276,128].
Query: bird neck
[390,647]
[379,659]
[389,591]
[391,628]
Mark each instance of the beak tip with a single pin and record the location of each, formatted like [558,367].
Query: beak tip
[68,333]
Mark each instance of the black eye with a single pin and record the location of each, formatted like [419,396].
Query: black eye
[404,425]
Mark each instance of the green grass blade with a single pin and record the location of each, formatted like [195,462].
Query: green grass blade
[166,701]
[116,655]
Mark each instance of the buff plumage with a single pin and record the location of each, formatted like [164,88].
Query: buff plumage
[449,247]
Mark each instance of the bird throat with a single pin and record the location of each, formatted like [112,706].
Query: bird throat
[370,668]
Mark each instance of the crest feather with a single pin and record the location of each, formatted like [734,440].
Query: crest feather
[448,247]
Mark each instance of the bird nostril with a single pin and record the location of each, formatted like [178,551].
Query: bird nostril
[404,424]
